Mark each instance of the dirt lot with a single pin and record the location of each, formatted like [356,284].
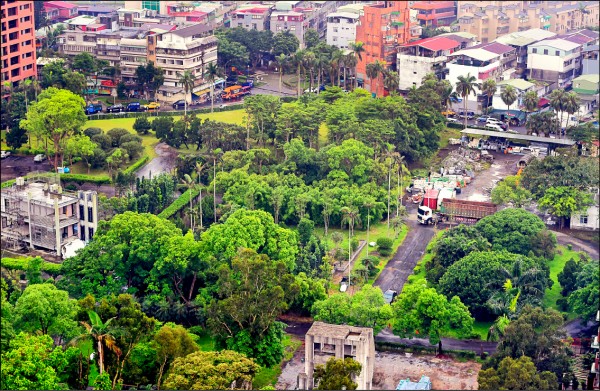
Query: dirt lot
[390,368]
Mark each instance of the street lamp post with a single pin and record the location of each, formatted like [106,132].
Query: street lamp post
[247,72]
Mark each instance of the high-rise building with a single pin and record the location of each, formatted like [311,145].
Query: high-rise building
[18,41]
[382,28]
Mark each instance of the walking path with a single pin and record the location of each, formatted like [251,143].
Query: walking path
[164,162]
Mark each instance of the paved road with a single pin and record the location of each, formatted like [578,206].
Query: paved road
[578,245]
[164,162]
[20,165]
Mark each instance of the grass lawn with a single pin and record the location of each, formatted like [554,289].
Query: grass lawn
[446,134]
[269,375]
[556,266]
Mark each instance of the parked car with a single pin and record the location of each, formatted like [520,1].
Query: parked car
[468,114]
[4,154]
[455,99]
[93,108]
[134,106]
[180,104]
[39,158]
[115,108]
[449,113]
[452,120]
[493,121]
[483,118]
[389,296]
[494,127]
[152,106]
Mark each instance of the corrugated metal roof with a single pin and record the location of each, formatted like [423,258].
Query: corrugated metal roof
[435,43]
[478,54]
[517,83]
[539,139]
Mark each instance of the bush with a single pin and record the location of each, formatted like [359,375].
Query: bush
[130,137]
[354,244]
[134,149]
[103,141]
[142,125]
[23,264]
[179,203]
[71,187]
[115,135]
[98,159]
[91,132]
[137,165]
[82,178]
[8,183]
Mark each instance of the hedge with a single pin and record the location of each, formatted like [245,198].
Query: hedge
[170,113]
[137,165]
[23,263]
[82,178]
[8,183]
[179,203]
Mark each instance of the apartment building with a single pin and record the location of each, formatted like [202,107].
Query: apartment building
[59,11]
[382,28]
[133,53]
[589,220]
[558,60]
[251,17]
[521,41]
[108,47]
[490,19]
[417,59]
[79,36]
[341,29]
[18,41]
[435,14]
[37,213]
[492,60]
[590,62]
[292,21]
[190,48]
[521,87]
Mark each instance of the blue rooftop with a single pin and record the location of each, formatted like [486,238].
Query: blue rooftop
[423,384]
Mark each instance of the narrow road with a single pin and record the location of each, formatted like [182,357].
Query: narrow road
[401,266]
[578,244]
[447,343]
[165,162]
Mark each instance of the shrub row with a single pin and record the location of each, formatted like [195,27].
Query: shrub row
[82,178]
[23,263]
[8,183]
[179,203]
[205,110]
[137,165]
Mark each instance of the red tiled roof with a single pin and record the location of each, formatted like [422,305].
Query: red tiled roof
[256,10]
[543,102]
[435,43]
[59,4]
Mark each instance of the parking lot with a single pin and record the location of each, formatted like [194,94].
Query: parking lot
[19,165]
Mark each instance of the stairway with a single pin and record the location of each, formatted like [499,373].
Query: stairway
[580,372]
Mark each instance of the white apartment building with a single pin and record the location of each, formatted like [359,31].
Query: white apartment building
[341,29]
[554,61]
[521,87]
[133,54]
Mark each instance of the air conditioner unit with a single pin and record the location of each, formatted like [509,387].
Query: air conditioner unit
[20,181]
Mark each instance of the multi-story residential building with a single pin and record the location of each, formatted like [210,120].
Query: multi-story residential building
[133,54]
[587,87]
[18,41]
[108,47]
[251,17]
[492,60]
[595,369]
[382,28]
[588,220]
[38,214]
[316,13]
[490,19]
[138,17]
[558,60]
[590,62]
[292,21]
[435,13]
[190,48]
[79,36]
[95,10]
[521,41]
[417,59]
[59,11]
[521,87]
[341,29]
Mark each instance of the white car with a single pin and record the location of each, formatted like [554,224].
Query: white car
[4,154]
[493,127]
[491,121]
[39,158]
[452,120]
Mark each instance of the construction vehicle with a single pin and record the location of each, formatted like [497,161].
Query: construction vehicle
[233,92]
[459,211]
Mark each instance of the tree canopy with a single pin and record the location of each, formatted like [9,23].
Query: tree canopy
[337,374]
[519,374]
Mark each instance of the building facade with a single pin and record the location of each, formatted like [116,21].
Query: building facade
[256,17]
[292,21]
[341,29]
[382,28]
[38,214]
[590,219]
[18,41]
[59,11]
[435,14]
[324,341]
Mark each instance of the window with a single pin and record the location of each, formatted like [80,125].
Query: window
[534,50]
[545,51]
[90,233]
[292,28]
[90,215]
[71,38]
[64,211]
[335,30]
[82,237]
[557,53]
[583,219]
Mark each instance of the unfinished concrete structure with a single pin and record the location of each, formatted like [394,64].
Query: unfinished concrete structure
[324,341]
[37,213]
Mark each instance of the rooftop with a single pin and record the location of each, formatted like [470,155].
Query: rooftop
[257,9]
[476,53]
[196,29]
[539,139]
[59,4]
[592,78]
[435,43]
[349,15]
[494,47]
[82,20]
[430,5]
[337,331]
[558,44]
[38,195]
[102,9]
[526,37]
[463,34]
[519,84]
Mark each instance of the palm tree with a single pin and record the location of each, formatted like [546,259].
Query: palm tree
[489,88]
[298,59]
[281,60]
[390,81]
[199,169]
[390,157]
[212,72]
[558,99]
[102,333]
[350,215]
[571,105]
[508,96]
[309,63]
[399,221]
[350,61]
[358,48]
[187,82]
[374,70]
[530,101]
[190,184]
[369,203]
[464,87]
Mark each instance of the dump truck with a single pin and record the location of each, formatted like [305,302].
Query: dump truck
[459,211]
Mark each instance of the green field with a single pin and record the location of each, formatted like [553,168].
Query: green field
[556,266]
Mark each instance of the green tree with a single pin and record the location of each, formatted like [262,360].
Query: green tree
[558,101]
[564,201]
[142,125]
[391,79]
[7,332]
[358,48]
[519,374]
[46,309]
[212,72]
[171,341]
[584,300]
[285,43]
[542,123]
[465,86]
[52,74]
[116,159]
[508,95]
[337,374]
[423,311]
[57,115]
[103,334]
[186,79]
[509,190]
[75,82]
[311,290]
[212,370]
[568,277]
[80,146]
[311,38]
[530,101]
[489,88]
[373,70]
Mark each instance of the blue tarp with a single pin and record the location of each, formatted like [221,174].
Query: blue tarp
[423,384]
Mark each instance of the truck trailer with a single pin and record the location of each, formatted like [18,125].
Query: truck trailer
[460,211]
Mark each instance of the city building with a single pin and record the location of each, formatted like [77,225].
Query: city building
[590,63]
[18,41]
[292,21]
[417,59]
[324,341]
[341,29]
[490,19]
[190,48]
[588,220]
[465,39]
[139,17]
[37,213]
[159,6]
[95,10]
[595,369]
[521,41]
[251,17]
[382,28]
[435,14]
[491,60]
[79,36]
[59,11]
[587,87]
[521,87]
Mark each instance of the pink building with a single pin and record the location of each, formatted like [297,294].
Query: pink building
[18,41]
[59,11]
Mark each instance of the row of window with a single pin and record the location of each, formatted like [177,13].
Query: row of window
[90,214]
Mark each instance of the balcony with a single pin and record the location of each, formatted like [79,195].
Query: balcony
[595,343]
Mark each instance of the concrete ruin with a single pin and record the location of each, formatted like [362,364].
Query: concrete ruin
[324,341]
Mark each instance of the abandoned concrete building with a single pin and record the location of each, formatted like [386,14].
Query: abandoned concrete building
[37,214]
[324,341]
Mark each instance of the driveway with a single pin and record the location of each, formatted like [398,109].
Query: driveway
[163,163]
[20,165]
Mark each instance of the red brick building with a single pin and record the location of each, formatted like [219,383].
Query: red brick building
[18,41]
[382,28]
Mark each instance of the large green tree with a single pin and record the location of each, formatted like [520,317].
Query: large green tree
[584,301]
[421,311]
[171,341]
[519,374]
[509,191]
[564,201]
[337,374]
